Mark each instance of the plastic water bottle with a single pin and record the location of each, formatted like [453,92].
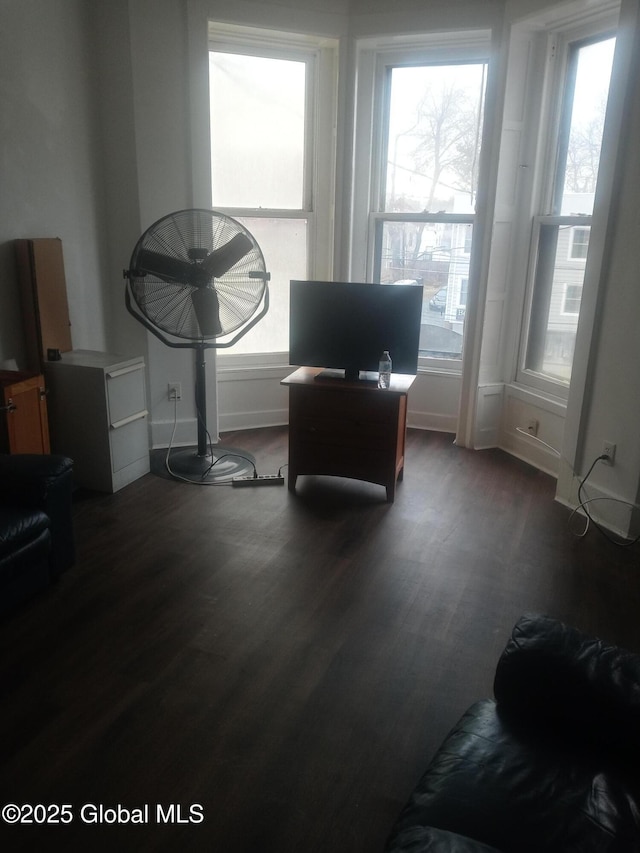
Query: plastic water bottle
[384,370]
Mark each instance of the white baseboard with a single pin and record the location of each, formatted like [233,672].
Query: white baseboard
[253,420]
[431,421]
[186,433]
[618,516]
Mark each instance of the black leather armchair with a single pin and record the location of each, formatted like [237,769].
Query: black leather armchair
[36,526]
[551,766]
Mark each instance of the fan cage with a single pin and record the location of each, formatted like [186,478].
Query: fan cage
[189,236]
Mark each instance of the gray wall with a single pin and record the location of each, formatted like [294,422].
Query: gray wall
[51,179]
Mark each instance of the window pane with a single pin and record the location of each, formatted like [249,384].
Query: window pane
[437,255]
[587,102]
[572,298]
[433,143]
[556,306]
[284,246]
[257,119]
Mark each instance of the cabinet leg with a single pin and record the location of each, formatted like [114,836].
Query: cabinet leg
[391,493]
[291,481]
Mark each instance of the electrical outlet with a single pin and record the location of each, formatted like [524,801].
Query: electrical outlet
[609,450]
[174,390]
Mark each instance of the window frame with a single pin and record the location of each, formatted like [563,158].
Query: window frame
[566,298]
[320,55]
[374,59]
[553,122]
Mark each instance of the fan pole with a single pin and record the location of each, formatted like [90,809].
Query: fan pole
[201,399]
[204,464]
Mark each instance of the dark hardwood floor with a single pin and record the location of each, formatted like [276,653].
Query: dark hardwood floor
[287,662]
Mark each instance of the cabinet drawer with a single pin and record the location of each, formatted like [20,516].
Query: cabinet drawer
[125,392]
[331,432]
[358,462]
[129,443]
[368,406]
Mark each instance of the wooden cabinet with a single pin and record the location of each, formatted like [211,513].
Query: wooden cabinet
[98,417]
[347,429]
[23,413]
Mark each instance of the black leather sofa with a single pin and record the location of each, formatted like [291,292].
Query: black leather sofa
[36,526]
[551,766]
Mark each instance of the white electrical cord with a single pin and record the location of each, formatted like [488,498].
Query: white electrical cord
[539,440]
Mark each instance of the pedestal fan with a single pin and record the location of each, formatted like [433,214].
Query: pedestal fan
[197,280]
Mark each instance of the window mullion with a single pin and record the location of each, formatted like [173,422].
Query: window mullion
[421,216]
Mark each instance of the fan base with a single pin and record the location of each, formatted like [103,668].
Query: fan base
[226,463]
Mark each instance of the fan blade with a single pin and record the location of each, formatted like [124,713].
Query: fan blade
[207,309]
[221,260]
[163,266]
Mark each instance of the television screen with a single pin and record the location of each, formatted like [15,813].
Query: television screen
[346,326]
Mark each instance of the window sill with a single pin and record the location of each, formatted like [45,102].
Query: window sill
[251,366]
[542,399]
[276,365]
[440,367]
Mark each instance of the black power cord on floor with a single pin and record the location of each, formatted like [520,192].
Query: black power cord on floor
[583,505]
[201,481]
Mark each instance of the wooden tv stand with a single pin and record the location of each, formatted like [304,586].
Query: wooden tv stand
[347,429]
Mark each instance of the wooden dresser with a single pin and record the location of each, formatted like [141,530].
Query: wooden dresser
[347,429]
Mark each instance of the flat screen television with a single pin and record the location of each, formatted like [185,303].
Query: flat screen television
[346,326]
